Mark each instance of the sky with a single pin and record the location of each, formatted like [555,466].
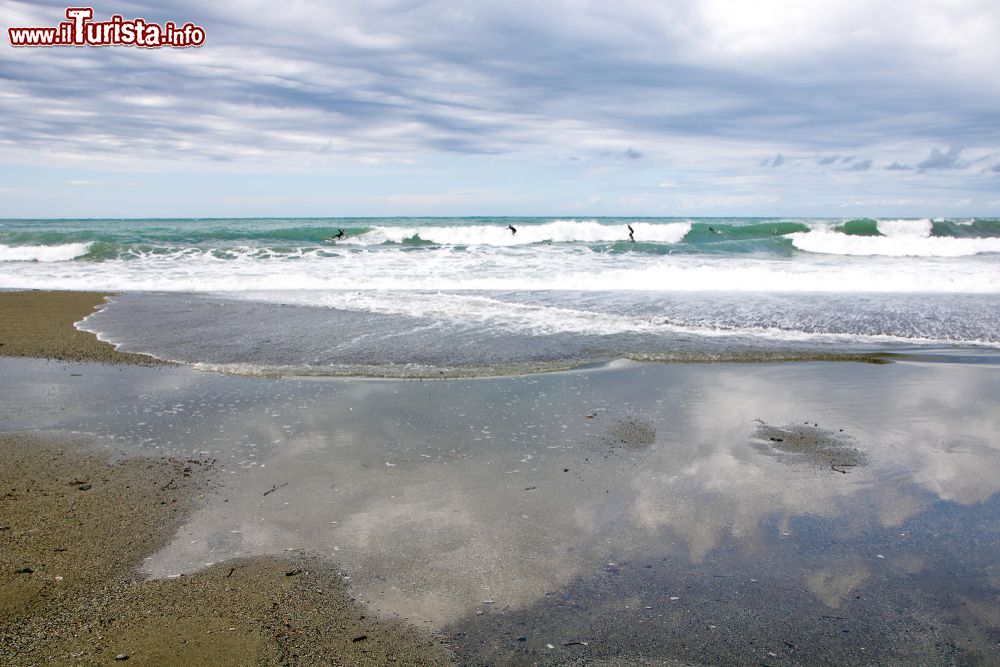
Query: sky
[839,108]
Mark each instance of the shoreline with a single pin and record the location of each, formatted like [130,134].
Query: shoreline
[41,324]
[75,530]
[608,515]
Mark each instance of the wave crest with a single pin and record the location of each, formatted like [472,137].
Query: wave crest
[43,253]
[901,244]
[557,231]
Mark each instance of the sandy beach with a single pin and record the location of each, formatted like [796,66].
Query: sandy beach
[40,324]
[74,528]
[622,514]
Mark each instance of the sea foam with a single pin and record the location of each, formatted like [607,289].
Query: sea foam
[43,253]
[901,241]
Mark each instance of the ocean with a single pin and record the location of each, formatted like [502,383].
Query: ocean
[466,296]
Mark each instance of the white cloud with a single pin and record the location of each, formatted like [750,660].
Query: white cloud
[711,87]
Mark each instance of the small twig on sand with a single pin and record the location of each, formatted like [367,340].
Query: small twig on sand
[835,467]
[231,570]
[275,488]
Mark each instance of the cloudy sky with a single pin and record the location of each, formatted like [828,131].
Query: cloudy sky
[567,107]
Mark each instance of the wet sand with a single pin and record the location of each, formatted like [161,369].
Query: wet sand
[74,530]
[629,514]
[40,324]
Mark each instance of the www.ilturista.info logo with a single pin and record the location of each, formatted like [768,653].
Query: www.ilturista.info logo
[80,30]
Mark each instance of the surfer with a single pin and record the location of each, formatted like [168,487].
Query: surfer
[339,235]
[513,230]
[631,233]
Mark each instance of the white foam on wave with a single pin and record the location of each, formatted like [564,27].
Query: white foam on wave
[483,311]
[450,308]
[905,229]
[903,242]
[43,253]
[557,231]
[540,267]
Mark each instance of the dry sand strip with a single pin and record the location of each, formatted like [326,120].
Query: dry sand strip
[40,324]
[73,530]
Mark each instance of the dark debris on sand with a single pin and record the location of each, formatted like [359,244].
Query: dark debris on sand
[809,444]
[627,433]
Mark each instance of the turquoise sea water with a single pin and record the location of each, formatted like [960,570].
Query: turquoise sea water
[401,295]
[101,240]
